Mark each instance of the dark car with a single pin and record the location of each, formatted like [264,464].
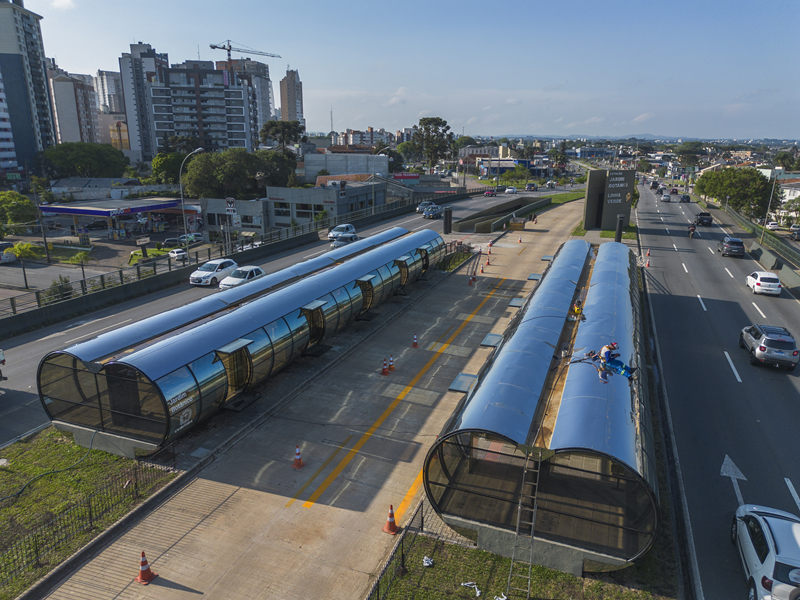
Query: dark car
[653,185]
[686,198]
[795,235]
[704,218]
[97,225]
[530,187]
[731,246]
[659,191]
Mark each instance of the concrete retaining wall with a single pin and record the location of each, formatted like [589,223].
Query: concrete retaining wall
[61,311]
[772,262]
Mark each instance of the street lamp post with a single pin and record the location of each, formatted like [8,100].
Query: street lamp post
[183,208]
[769,204]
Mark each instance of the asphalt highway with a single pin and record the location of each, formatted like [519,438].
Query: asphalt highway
[721,406]
[20,408]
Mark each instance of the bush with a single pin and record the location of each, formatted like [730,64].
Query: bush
[59,290]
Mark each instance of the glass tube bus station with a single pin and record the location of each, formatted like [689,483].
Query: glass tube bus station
[539,438]
[146,383]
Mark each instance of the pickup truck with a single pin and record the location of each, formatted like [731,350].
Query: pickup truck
[704,218]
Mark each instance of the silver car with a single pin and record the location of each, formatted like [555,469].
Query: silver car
[767,543]
[769,345]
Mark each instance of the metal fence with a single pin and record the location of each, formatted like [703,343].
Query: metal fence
[781,248]
[66,290]
[25,560]
[424,524]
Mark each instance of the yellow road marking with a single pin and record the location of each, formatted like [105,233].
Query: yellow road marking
[412,491]
[318,471]
[368,434]
[521,251]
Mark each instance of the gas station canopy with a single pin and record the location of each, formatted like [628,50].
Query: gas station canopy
[107,207]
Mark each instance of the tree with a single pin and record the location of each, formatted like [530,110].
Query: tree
[84,159]
[166,166]
[323,173]
[644,166]
[408,151]
[183,144]
[747,191]
[16,211]
[292,181]
[463,141]
[432,139]
[275,168]
[395,158]
[284,132]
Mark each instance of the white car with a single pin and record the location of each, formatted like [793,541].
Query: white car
[511,190]
[177,254]
[240,276]
[344,239]
[213,272]
[339,230]
[773,226]
[764,282]
[768,543]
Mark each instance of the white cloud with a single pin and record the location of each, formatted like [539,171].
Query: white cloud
[558,120]
[590,121]
[424,113]
[642,118]
[513,101]
[556,86]
[487,108]
[62,4]
[471,120]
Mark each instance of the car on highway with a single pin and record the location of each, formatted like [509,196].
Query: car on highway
[674,191]
[660,192]
[180,241]
[770,345]
[685,198]
[339,230]
[433,212]
[768,544]
[731,246]
[665,197]
[344,239]
[178,254]
[530,187]
[795,235]
[795,227]
[773,226]
[213,272]
[240,276]
[654,185]
[703,218]
[511,190]
[423,205]
[490,193]
[764,282]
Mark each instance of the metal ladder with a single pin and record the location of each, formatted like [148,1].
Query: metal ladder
[522,551]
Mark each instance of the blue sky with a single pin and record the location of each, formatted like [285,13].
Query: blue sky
[702,68]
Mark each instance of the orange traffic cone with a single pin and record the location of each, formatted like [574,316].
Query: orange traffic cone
[504,226]
[145,575]
[391,526]
[648,252]
[414,345]
[487,261]
[391,363]
[520,240]
[648,263]
[385,370]
[298,459]
[481,268]
[470,281]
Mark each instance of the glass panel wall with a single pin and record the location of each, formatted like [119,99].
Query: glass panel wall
[356,297]
[344,305]
[298,324]
[181,394]
[261,355]
[330,312]
[281,337]
[209,372]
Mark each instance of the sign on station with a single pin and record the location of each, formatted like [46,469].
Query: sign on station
[230,206]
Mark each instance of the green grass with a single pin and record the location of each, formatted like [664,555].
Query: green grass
[454,565]
[567,197]
[58,255]
[54,494]
[151,253]
[579,230]
[628,233]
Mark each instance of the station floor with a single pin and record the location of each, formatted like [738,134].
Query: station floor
[248,525]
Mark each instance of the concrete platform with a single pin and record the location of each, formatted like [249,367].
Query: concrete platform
[248,525]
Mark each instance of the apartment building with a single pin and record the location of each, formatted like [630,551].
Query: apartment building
[108,88]
[26,97]
[8,151]
[196,100]
[74,105]
[139,68]
[256,74]
[292,98]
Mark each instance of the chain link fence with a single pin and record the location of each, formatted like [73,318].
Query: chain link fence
[25,560]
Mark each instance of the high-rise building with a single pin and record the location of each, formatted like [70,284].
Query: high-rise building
[292,98]
[74,105]
[140,67]
[8,151]
[108,87]
[256,74]
[22,64]
[196,100]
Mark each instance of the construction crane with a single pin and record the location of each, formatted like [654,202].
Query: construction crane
[227,46]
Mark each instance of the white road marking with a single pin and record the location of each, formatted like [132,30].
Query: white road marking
[662,218]
[684,268]
[315,253]
[731,470]
[674,246]
[735,372]
[759,310]
[729,273]
[702,303]
[96,332]
[710,250]
[792,491]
